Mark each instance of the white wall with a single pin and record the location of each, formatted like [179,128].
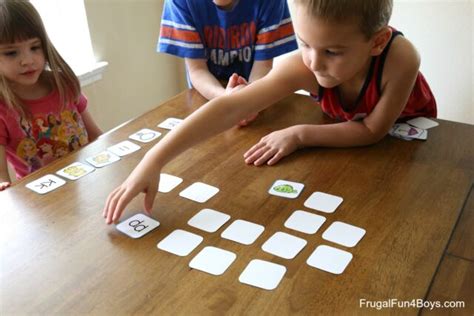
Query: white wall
[443,33]
[124,33]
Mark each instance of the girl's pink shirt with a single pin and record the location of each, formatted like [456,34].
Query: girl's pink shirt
[50,134]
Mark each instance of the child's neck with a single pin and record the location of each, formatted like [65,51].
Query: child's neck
[36,91]
[229,7]
[349,90]
[359,78]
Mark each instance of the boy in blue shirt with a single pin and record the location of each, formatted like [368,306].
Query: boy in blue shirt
[221,37]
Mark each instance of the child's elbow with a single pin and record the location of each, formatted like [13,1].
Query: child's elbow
[373,136]
[377,137]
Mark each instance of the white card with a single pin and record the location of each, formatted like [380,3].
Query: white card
[46,184]
[243,232]
[103,159]
[305,222]
[344,234]
[213,260]
[287,189]
[422,122]
[170,123]
[393,133]
[262,274]
[75,171]
[323,202]
[406,131]
[168,183]
[199,192]
[180,242]
[284,245]
[145,135]
[208,220]
[329,259]
[123,148]
[138,225]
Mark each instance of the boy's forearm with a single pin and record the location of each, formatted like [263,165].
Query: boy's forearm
[206,84]
[216,116]
[196,128]
[260,69]
[345,134]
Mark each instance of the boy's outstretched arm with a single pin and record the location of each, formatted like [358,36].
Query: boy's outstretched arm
[400,71]
[5,181]
[214,117]
[202,79]
[260,69]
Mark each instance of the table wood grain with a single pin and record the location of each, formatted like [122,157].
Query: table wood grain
[58,256]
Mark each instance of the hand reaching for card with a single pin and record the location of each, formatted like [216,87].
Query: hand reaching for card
[236,83]
[273,147]
[144,178]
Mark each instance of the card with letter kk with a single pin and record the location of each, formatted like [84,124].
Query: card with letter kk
[46,184]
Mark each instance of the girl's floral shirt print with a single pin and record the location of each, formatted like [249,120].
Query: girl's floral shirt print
[50,134]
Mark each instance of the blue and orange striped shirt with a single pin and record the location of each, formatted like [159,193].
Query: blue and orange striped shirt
[230,40]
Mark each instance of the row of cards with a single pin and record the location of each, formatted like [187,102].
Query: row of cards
[216,261]
[416,128]
[113,154]
[246,233]
[258,273]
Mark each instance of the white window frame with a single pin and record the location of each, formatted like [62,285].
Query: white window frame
[67,28]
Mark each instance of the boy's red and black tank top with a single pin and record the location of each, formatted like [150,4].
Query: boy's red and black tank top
[420,103]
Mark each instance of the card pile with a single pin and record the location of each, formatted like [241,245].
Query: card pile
[416,128]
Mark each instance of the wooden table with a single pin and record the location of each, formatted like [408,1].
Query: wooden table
[58,256]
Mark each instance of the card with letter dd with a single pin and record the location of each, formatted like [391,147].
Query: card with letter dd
[138,225]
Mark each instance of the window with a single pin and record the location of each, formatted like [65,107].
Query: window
[66,24]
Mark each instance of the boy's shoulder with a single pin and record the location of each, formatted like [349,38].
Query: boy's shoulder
[402,46]
[402,58]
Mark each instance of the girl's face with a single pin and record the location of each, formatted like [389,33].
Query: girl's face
[22,62]
[336,53]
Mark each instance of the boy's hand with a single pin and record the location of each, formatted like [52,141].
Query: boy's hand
[248,120]
[236,83]
[4,185]
[144,179]
[273,147]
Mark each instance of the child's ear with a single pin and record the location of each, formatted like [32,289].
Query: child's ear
[380,40]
